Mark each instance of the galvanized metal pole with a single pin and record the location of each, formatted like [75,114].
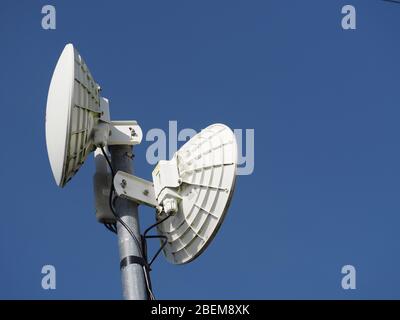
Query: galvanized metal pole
[133,278]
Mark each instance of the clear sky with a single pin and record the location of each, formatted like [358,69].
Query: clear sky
[325,106]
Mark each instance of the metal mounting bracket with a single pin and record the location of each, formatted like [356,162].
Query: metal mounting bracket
[109,133]
[119,132]
[125,132]
[135,189]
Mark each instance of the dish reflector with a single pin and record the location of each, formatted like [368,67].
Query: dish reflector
[206,172]
[72,113]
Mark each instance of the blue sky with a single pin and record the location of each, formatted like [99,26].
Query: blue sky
[325,107]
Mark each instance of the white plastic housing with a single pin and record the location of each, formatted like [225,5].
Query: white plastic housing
[201,177]
[72,112]
[165,175]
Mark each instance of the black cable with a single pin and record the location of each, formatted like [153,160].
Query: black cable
[111,227]
[159,249]
[109,163]
[114,225]
[156,224]
[146,268]
[110,200]
[145,236]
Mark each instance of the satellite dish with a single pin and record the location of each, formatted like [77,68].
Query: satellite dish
[196,185]
[191,192]
[78,118]
[72,113]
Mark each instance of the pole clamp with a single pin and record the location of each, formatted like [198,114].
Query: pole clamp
[132,260]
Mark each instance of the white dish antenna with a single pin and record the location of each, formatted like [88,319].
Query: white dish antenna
[73,111]
[194,187]
[191,192]
[202,184]
[78,119]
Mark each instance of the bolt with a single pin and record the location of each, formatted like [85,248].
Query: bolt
[123,183]
[130,155]
[146,192]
